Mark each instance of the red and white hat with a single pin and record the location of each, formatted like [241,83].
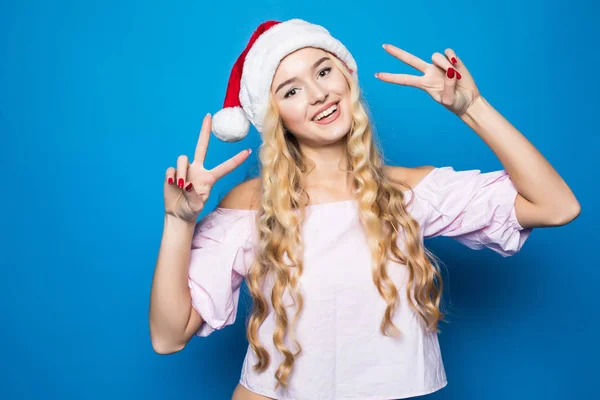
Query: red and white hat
[247,97]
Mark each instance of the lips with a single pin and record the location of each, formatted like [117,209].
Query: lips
[325,107]
[329,119]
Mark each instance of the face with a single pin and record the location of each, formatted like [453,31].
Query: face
[313,97]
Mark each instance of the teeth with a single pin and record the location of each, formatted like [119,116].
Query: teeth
[326,113]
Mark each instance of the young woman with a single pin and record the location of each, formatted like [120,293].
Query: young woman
[346,299]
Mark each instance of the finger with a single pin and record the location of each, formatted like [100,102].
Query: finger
[203,137]
[406,57]
[400,79]
[449,93]
[170,175]
[182,167]
[226,167]
[441,61]
[456,62]
[451,57]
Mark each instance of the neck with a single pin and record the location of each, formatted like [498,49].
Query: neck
[329,169]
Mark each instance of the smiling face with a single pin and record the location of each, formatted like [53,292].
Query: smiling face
[313,97]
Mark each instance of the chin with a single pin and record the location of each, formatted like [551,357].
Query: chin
[335,134]
[338,130]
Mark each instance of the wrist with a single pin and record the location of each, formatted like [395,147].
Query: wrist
[179,223]
[477,108]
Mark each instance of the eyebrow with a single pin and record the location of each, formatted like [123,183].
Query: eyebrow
[315,65]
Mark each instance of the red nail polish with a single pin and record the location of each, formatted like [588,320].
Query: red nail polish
[458,75]
[170,181]
[450,73]
[180,183]
[188,187]
[453,60]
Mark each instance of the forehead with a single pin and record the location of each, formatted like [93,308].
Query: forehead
[298,62]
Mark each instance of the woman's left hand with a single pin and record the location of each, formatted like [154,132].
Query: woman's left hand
[447,80]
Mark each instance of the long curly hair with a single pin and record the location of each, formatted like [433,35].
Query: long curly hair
[382,213]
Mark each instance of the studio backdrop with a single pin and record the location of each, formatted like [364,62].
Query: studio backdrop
[98,99]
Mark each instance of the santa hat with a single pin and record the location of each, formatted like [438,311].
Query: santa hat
[247,97]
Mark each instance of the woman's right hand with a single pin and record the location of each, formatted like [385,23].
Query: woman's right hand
[187,188]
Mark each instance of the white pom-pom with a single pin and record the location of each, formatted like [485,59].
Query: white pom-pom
[230,124]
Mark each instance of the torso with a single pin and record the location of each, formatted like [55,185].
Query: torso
[410,176]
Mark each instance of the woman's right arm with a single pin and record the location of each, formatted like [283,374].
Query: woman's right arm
[173,320]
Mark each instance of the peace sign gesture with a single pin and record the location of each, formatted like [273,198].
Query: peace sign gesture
[187,188]
[447,80]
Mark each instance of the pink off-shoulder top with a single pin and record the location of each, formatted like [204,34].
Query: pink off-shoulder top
[344,355]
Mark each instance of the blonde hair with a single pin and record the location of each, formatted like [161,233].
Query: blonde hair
[382,214]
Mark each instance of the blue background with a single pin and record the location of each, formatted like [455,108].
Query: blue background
[98,99]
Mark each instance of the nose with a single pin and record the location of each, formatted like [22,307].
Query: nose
[317,94]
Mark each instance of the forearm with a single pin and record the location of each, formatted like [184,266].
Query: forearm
[170,299]
[533,176]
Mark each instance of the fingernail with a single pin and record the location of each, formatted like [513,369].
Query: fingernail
[170,181]
[458,75]
[188,187]
[377,75]
[450,73]
[383,45]
[180,183]
[249,151]
[453,60]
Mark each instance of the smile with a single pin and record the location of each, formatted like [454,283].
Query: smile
[328,116]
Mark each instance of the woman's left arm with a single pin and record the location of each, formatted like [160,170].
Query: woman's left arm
[544,199]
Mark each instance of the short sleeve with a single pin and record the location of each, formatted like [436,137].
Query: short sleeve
[474,208]
[220,256]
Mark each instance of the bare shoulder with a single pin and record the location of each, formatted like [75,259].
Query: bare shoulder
[244,196]
[409,175]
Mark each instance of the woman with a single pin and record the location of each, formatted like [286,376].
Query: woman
[346,299]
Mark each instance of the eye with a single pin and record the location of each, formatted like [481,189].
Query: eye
[288,93]
[328,69]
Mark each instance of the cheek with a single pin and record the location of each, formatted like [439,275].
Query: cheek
[293,113]
[338,84]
